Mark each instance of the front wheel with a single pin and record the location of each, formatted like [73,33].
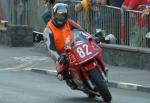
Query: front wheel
[100,84]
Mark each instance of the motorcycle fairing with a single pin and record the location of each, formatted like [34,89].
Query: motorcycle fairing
[83,52]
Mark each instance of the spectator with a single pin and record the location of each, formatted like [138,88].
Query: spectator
[46,16]
[146,10]
[133,4]
[115,3]
[114,19]
[136,28]
[85,9]
[138,5]
[49,1]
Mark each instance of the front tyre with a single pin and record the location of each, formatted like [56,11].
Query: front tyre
[100,84]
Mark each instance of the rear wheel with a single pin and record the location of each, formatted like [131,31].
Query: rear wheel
[101,85]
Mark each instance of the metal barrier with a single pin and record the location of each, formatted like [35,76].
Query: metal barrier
[129,27]
[136,27]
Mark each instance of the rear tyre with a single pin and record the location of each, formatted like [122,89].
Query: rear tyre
[101,85]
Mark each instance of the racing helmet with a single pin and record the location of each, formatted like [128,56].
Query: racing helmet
[60,14]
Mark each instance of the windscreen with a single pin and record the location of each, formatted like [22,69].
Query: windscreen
[79,36]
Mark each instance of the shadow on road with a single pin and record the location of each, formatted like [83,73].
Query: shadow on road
[81,100]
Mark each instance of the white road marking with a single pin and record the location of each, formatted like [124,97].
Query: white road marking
[31,58]
[128,85]
[17,67]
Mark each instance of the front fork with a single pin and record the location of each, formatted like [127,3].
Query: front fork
[100,68]
[104,73]
[91,88]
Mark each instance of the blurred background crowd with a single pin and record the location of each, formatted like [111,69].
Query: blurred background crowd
[128,20]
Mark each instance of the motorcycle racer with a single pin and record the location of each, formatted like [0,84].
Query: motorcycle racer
[57,30]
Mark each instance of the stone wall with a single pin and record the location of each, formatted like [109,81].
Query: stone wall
[132,57]
[16,35]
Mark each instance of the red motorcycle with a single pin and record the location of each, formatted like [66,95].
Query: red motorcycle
[86,65]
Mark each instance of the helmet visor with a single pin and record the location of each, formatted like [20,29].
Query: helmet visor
[61,16]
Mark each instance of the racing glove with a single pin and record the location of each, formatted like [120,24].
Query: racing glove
[62,59]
